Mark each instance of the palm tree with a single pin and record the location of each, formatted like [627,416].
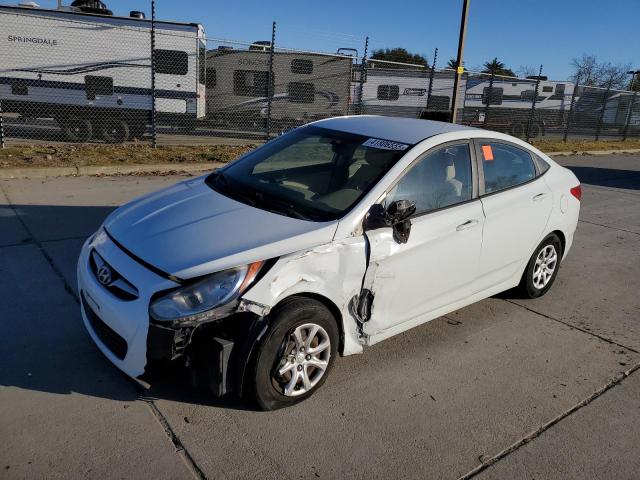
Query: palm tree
[496,67]
[452,64]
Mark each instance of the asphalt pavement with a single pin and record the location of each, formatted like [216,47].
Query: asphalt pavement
[505,388]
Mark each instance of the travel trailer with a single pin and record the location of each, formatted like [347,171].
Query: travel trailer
[306,87]
[90,71]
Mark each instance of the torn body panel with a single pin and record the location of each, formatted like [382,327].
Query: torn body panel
[409,280]
[333,271]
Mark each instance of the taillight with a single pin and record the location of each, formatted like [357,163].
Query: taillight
[577,192]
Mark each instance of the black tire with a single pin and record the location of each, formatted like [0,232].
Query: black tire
[137,130]
[115,131]
[517,130]
[535,130]
[527,287]
[284,319]
[76,129]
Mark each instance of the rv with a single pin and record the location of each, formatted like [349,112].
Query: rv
[90,71]
[305,87]
[404,92]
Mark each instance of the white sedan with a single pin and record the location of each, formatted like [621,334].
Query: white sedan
[323,241]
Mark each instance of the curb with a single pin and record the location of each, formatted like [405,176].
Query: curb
[592,152]
[168,168]
[106,170]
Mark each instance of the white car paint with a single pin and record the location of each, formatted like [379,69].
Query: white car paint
[188,231]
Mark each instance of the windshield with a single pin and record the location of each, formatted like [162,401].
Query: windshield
[310,173]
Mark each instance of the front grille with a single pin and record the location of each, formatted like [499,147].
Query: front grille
[106,334]
[111,279]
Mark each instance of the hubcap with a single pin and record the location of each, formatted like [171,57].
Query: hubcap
[303,361]
[544,267]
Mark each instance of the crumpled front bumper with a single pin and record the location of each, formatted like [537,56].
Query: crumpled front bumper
[110,320]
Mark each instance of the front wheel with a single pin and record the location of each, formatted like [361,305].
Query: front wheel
[542,268]
[115,131]
[296,355]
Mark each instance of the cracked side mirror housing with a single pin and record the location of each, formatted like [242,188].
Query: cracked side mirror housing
[396,216]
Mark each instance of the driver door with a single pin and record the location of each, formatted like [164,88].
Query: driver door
[411,282]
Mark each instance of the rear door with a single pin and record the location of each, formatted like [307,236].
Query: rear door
[517,204]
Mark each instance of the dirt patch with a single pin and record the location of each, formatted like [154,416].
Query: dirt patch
[81,155]
[583,145]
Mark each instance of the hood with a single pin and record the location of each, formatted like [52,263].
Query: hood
[189,229]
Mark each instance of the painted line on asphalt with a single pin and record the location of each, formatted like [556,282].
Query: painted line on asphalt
[532,436]
[184,454]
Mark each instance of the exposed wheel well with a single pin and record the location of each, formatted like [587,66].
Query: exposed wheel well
[332,307]
[563,240]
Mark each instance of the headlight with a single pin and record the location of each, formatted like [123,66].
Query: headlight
[201,300]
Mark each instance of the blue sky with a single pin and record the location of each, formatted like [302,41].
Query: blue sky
[517,32]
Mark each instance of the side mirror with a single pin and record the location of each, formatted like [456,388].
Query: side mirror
[395,216]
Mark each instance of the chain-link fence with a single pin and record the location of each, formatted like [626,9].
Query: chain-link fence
[72,77]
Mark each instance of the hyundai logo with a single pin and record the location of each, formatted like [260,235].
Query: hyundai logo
[104,274]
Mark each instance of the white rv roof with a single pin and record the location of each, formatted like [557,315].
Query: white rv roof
[405,130]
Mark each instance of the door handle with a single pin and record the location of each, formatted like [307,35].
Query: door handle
[540,196]
[467,225]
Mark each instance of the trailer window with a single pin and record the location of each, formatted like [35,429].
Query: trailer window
[492,96]
[97,86]
[388,92]
[439,102]
[211,77]
[300,92]
[251,83]
[560,89]
[202,63]
[527,95]
[172,62]
[548,88]
[300,65]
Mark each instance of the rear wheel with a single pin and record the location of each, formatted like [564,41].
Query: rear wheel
[296,355]
[115,131]
[517,130]
[542,268]
[76,129]
[535,130]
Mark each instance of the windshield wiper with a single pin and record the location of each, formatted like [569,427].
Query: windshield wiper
[278,205]
[222,183]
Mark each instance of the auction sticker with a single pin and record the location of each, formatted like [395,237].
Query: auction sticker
[385,144]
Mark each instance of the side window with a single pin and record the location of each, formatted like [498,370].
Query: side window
[300,65]
[97,86]
[211,77]
[251,83]
[388,92]
[440,179]
[505,166]
[492,96]
[300,92]
[19,87]
[172,62]
[547,89]
[542,165]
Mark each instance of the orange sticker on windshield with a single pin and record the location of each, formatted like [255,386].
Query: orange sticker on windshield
[487,153]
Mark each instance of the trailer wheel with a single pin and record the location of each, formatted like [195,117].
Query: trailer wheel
[76,129]
[517,130]
[115,131]
[137,130]
[535,130]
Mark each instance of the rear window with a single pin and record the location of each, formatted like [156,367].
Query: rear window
[251,83]
[300,65]
[388,92]
[171,62]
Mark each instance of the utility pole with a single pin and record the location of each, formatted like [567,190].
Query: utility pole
[459,67]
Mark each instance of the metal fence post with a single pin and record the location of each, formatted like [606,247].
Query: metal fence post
[154,139]
[570,115]
[489,99]
[1,126]
[270,80]
[601,116]
[533,103]
[363,73]
[431,75]
[624,133]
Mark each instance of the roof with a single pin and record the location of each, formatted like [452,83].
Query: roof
[405,130]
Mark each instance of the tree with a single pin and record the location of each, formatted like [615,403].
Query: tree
[399,55]
[588,71]
[527,71]
[497,67]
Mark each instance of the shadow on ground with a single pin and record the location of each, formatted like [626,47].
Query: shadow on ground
[608,177]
